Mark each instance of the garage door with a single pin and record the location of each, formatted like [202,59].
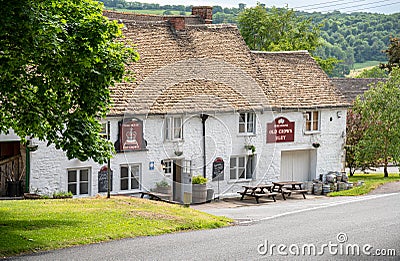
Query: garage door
[295,165]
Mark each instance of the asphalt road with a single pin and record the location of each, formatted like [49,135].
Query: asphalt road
[319,229]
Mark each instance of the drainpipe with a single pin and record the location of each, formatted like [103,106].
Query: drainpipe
[28,148]
[108,165]
[204,117]
[27,167]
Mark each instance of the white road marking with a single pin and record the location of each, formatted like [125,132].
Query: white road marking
[324,205]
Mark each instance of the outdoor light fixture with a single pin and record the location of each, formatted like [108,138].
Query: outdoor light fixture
[339,114]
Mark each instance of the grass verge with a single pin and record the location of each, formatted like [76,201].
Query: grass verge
[371,182]
[37,225]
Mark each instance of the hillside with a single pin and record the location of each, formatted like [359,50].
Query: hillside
[353,38]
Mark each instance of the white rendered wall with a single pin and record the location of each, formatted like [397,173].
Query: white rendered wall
[49,166]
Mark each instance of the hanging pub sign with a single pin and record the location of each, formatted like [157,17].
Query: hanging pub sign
[280,130]
[218,169]
[131,135]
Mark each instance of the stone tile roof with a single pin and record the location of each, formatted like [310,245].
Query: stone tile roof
[352,87]
[295,80]
[209,68]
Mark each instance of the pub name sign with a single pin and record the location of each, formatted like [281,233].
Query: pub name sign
[280,130]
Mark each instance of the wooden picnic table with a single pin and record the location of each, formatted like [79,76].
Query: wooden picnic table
[156,196]
[258,191]
[288,187]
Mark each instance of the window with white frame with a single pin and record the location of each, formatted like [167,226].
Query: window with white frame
[79,181]
[167,167]
[187,167]
[242,167]
[130,176]
[312,121]
[103,132]
[173,128]
[247,123]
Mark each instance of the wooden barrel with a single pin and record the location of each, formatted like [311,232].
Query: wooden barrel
[199,193]
[349,185]
[345,178]
[326,189]
[317,188]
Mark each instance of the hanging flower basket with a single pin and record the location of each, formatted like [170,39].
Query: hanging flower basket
[316,145]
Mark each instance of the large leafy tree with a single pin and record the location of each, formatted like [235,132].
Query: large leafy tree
[355,128]
[58,60]
[380,114]
[393,54]
[279,29]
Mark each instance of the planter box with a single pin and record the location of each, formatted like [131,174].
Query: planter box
[199,193]
[163,190]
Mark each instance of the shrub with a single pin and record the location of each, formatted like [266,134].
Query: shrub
[199,180]
[63,194]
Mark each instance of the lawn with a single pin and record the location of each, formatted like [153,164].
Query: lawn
[371,181]
[358,66]
[37,225]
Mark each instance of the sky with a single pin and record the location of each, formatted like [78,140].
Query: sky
[344,6]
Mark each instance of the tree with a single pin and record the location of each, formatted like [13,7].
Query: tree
[354,132]
[393,54]
[279,29]
[58,60]
[380,114]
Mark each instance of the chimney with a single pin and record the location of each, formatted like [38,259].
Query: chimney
[178,22]
[204,12]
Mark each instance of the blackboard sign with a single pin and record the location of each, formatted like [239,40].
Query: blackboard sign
[103,180]
[218,169]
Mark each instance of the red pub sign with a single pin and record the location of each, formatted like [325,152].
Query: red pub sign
[280,130]
[131,135]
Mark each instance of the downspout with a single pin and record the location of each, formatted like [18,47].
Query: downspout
[204,117]
[27,167]
[108,164]
[28,148]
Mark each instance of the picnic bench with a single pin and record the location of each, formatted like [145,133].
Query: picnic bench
[156,196]
[258,192]
[289,187]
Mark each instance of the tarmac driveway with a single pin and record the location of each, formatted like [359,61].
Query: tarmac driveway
[248,210]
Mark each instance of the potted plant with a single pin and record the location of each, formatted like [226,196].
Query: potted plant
[251,149]
[163,187]
[316,145]
[199,189]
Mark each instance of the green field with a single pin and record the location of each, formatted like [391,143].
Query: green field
[358,66]
[153,12]
[37,225]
